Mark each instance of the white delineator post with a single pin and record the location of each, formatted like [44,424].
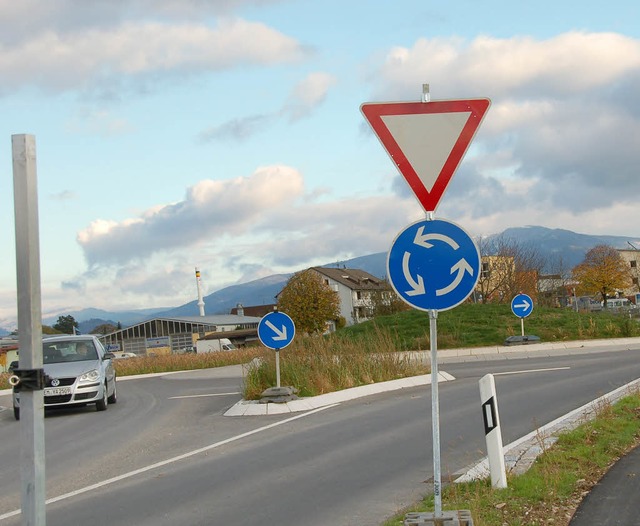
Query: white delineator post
[492,431]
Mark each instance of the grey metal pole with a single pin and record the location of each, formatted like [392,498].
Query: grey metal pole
[32,457]
[278,368]
[435,413]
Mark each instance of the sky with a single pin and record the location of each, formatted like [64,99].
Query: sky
[227,134]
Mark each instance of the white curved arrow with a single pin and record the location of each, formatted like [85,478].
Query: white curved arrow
[423,240]
[460,267]
[525,305]
[281,334]
[417,287]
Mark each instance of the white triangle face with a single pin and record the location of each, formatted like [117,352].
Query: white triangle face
[426,140]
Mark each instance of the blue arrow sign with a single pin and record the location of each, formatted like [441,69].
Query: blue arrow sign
[276,330]
[522,305]
[433,265]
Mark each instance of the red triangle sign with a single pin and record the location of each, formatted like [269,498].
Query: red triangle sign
[426,140]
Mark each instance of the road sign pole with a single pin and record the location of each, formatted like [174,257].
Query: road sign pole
[32,458]
[278,368]
[522,325]
[435,412]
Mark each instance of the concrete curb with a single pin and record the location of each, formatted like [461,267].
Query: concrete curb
[255,408]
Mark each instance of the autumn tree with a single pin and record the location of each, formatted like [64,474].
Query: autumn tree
[309,301]
[603,270]
[66,324]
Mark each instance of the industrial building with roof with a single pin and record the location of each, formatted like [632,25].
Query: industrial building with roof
[174,335]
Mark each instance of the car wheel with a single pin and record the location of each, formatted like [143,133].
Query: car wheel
[101,405]
[16,413]
[114,396]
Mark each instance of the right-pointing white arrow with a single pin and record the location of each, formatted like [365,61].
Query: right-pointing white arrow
[281,334]
[524,305]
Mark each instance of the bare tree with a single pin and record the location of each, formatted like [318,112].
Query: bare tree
[508,268]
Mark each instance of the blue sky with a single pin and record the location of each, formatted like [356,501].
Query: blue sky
[226,134]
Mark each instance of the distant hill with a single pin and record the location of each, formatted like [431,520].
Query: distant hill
[257,292]
[554,242]
[551,243]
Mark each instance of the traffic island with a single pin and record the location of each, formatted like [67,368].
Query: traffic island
[446,518]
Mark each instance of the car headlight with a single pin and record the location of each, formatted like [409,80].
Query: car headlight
[90,376]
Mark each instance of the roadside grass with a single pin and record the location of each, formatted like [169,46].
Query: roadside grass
[551,490]
[182,362]
[173,362]
[317,365]
[477,325]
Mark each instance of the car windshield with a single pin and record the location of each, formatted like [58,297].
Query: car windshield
[68,351]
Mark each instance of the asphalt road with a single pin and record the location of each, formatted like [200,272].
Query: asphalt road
[165,455]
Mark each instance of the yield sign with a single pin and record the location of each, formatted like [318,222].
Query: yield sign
[426,140]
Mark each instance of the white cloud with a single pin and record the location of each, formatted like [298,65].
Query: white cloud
[211,210]
[558,122]
[308,94]
[304,99]
[87,58]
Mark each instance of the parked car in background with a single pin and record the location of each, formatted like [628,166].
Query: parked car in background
[78,371]
[121,355]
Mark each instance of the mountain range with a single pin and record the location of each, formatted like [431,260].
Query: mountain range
[551,244]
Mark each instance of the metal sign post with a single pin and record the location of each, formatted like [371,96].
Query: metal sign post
[30,375]
[434,265]
[276,330]
[435,413]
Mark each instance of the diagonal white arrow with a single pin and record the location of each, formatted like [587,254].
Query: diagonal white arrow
[460,267]
[525,305]
[281,334]
[423,239]
[417,287]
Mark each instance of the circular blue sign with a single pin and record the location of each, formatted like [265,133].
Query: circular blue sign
[522,305]
[433,265]
[276,330]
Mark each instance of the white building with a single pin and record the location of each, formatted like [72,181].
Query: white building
[356,289]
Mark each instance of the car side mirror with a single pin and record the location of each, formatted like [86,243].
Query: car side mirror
[14,365]
[109,356]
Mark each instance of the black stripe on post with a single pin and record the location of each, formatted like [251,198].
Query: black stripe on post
[489,415]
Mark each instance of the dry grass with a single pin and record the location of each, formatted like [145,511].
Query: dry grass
[317,365]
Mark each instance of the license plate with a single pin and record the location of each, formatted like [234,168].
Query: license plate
[57,391]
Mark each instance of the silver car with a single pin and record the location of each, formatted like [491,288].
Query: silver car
[78,371]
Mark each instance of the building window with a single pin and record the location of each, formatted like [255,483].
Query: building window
[634,280]
[358,295]
[633,263]
[485,270]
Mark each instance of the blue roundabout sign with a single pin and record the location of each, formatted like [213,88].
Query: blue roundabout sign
[433,265]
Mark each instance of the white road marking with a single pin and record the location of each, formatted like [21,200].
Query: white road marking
[203,395]
[532,371]
[170,460]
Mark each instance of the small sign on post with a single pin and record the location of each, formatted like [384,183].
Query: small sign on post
[276,330]
[522,306]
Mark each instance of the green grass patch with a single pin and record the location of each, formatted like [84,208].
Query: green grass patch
[550,491]
[478,325]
